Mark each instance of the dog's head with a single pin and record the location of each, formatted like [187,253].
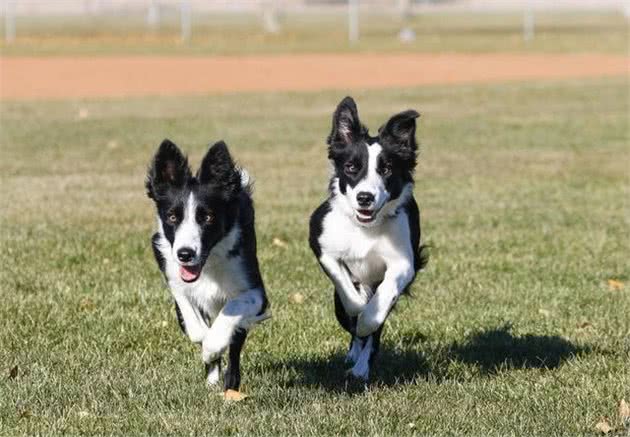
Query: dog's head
[371,172]
[194,212]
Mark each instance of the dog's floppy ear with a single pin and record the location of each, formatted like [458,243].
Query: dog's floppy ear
[169,168]
[400,133]
[346,126]
[219,170]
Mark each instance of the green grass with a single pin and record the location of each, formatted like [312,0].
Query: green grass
[512,330]
[243,34]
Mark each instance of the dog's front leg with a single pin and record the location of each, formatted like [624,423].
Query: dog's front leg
[353,300]
[194,324]
[397,277]
[238,313]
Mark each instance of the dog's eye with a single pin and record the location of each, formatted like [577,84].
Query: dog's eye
[350,168]
[387,169]
[172,218]
[208,218]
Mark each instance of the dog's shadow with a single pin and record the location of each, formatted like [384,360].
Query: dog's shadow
[490,351]
[497,349]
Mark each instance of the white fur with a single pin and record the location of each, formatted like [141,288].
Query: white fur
[355,350]
[361,369]
[214,374]
[222,292]
[381,252]
[189,233]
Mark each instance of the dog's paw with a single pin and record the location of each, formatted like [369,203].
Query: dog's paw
[365,293]
[367,324]
[213,373]
[355,350]
[213,347]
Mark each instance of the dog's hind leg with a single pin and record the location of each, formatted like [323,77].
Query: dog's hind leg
[366,356]
[232,379]
[349,324]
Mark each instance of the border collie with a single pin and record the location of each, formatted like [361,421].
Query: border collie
[205,246]
[366,235]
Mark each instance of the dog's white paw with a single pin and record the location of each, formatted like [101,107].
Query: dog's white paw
[213,347]
[354,351]
[214,373]
[367,323]
[361,369]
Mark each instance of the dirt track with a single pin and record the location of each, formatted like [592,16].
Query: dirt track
[67,77]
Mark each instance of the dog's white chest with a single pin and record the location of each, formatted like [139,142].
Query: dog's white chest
[362,250]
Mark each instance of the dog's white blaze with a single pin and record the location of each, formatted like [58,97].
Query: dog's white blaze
[188,233]
[372,183]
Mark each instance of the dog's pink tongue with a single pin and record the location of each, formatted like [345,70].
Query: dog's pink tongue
[189,273]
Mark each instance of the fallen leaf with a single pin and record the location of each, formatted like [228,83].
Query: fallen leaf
[83,113]
[615,285]
[603,426]
[112,144]
[234,395]
[279,243]
[86,304]
[584,325]
[411,425]
[24,413]
[297,298]
[83,414]
[544,312]
[624,412]
[164,323]
[13,373]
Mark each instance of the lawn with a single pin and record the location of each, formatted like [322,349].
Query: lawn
[513,329]
[243,34]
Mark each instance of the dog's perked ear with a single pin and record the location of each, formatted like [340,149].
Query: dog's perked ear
[219,170]
[169,168]
[346,126]
[400,133]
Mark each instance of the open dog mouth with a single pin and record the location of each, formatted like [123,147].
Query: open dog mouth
[366,215]
[190,273]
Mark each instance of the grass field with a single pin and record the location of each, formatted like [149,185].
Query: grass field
[243,34]
[512,330]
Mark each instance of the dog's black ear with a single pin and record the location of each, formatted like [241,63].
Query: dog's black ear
[219,170]
[169,168]
[400,133]
[346,126]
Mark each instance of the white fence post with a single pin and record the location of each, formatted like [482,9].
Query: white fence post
[353,21]
[153,15]
[529,23]
[186,20]
[270,17]
[9,21]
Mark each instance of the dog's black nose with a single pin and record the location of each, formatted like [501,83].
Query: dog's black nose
[185,254]
[365,199]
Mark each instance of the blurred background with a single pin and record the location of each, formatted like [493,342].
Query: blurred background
[519,323]
[250,26]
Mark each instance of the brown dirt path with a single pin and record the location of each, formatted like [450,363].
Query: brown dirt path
[120,76]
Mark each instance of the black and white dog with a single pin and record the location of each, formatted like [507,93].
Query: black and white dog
[366,235]
[205,246]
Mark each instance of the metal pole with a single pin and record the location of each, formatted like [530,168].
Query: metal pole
[9,22]
[186,20]
[153,15]
[529,23]
[353,21]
